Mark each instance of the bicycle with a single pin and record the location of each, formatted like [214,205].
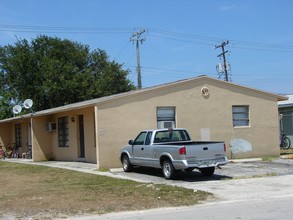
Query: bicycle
[28,153]
[15,151]
[285,141]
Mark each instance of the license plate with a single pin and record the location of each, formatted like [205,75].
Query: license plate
[205,163]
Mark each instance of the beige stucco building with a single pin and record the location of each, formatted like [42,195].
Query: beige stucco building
[93,131]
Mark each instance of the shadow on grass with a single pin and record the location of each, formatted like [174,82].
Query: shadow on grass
[194,176]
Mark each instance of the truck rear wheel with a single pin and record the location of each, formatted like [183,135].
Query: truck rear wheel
[209,171]
[169,170]
[126,165]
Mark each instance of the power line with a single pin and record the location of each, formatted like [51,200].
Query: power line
[124,47]
[263,49]
[254,47]
[182,40]
[157,33]
[50,29]
[127,29]
[170,70]
[213,39]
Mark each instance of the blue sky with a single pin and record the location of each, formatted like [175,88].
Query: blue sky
[180,35]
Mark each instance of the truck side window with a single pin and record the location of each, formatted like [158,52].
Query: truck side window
[184,136]
[140,138]
[148,138]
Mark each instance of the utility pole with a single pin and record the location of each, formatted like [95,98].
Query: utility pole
[136,37]
[222,45]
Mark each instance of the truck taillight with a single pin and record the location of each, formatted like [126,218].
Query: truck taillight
[225,147]
[182,150]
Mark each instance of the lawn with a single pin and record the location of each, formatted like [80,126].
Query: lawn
[43,192]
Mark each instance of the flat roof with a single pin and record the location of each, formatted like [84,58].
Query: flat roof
[287,103]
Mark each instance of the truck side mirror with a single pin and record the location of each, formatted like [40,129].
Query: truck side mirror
[131,142]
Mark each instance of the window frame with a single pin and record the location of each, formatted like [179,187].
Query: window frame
[237,119]
[167,117]
[148,138]
[18,135]
[63,131]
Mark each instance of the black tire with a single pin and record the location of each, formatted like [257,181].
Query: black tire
[169,171]
[209,171]
[126,165]
[286,143]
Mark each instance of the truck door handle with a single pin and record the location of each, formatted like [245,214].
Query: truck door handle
[142,148]
[205,148]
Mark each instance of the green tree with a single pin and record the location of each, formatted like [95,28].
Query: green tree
[54,72]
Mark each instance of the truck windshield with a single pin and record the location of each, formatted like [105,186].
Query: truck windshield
[171,136]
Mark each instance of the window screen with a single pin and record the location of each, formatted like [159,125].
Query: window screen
[240,116]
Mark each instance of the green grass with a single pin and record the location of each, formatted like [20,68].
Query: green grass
[269,159]
[28,190]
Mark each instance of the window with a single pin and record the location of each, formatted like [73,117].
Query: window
[171,136]
[63,131]
[18,135]
[166,117]
[240,116]
[287,123]
[140,138]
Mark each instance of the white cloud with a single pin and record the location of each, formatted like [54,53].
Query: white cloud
[233,7]
[227,7]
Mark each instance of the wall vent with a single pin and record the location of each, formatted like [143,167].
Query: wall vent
[50,126]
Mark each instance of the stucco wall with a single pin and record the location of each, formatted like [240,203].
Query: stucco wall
[205,117]
[71,152]
[24,135]
[5,134]
[41,140]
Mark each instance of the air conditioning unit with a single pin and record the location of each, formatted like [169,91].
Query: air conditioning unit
[50,126]
[166,124]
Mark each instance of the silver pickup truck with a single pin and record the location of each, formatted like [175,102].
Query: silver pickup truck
[172,150]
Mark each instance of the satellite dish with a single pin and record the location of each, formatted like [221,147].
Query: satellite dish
[28,103]
[17,109]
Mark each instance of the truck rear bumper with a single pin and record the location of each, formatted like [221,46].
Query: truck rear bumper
[184,164]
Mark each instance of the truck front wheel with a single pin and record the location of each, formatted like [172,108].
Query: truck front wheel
[209,171]
[127,166]
[169,170]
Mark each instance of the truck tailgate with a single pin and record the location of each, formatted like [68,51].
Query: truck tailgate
[205,151]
